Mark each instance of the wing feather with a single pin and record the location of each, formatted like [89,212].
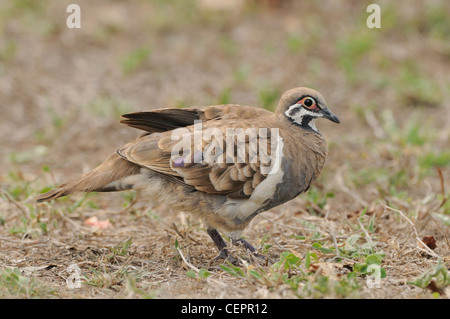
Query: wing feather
[236,180]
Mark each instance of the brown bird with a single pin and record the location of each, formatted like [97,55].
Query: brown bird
[225,163]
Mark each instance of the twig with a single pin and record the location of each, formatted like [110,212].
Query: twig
[374,124]
[346,190]
[440,229]
[444,198]
[402,214]
[426,248]
[334,242]
[134,201]
[175,228]
[186,262]
[336,247]
[15,203]
[75,224]
[443,201]
[365,232]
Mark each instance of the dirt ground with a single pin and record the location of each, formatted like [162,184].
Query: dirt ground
[385,183]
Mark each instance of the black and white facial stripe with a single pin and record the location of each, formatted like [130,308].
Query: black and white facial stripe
[300,115]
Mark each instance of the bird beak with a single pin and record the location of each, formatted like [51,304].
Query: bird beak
[328,115]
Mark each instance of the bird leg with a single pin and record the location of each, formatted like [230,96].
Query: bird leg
[220,243]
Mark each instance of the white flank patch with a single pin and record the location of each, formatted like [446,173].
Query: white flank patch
[243,208]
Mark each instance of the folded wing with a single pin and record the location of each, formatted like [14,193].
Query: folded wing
[219,155]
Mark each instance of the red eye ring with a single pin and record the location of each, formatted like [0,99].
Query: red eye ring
[309,103]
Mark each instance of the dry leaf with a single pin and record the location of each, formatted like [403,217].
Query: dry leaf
[434,288]
[325,269]
[430,241]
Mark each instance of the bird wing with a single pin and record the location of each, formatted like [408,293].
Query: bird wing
[202,157]
[167,119]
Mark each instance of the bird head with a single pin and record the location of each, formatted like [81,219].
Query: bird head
[303,106]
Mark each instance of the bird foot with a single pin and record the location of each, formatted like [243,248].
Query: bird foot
[249,247]
[224,254]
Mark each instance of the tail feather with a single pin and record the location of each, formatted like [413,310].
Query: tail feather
[54,193]
[102,179]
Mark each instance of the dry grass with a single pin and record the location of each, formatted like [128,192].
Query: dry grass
[62,91]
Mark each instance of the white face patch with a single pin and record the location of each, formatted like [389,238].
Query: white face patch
[299,113]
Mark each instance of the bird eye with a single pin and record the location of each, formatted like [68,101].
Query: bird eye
[309,103]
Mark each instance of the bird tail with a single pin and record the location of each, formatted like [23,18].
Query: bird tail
[105,178]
